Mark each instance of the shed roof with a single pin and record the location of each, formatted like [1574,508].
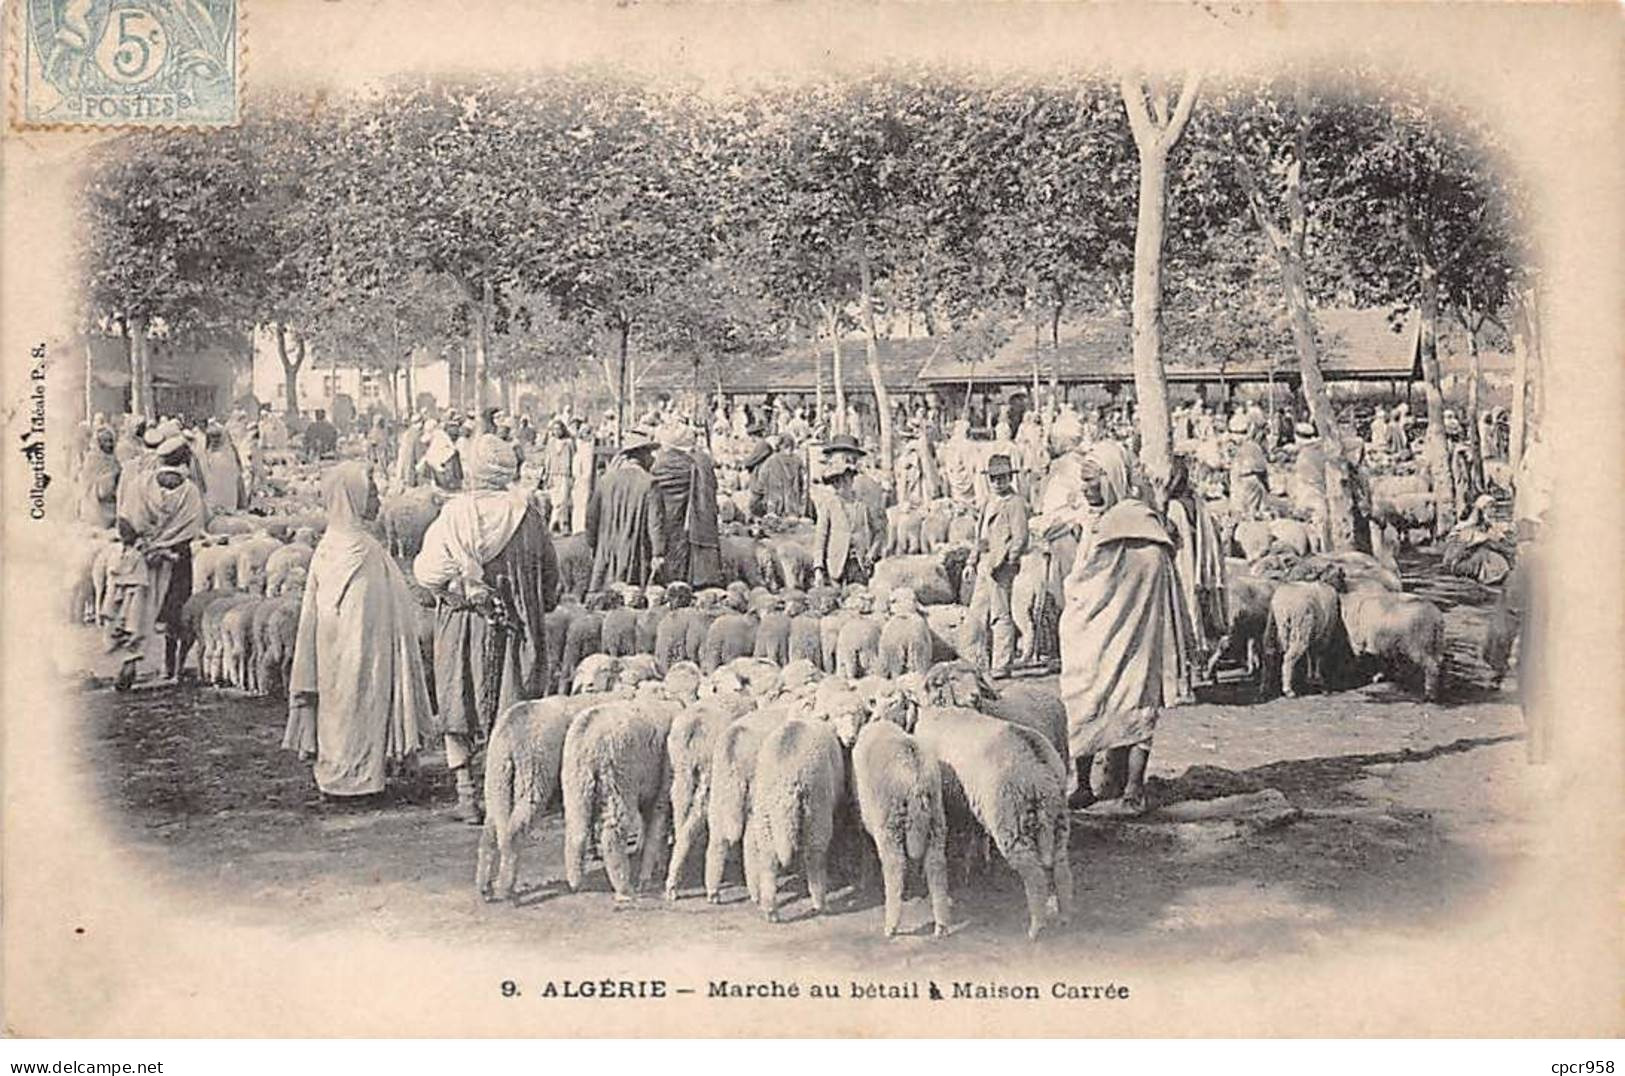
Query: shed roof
[1356,345]
[796,368]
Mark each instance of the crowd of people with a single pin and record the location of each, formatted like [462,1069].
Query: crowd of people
[1136,569]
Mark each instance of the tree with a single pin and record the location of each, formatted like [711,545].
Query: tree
[1274,148]
[1420,198]
[1156,130]
[160,213]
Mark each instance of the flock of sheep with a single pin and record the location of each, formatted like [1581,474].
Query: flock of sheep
[787,720]
[784,765]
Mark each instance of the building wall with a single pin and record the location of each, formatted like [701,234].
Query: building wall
[319,382]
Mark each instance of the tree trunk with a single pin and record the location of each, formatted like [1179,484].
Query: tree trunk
[1154,136]
[290,371]
[1435,449]
[625,331]
[1475,374]
[141,401]
[411,390]
[833,325]
[872,355]
[1341,532]
[1522,345]
[631,389]
[1150,380]
[482,349]
[90,380]
[818,382]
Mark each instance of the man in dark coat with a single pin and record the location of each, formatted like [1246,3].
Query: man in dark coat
[777,481]
[321,438]
[626,519]
[687,481]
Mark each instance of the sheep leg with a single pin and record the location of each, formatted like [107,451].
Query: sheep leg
[716,864]
[1432,677]
[575,843]
[767,879]
[1037,887]
[815,861]
[1289,665]
[656,829]
[1063,871]
[488,851]
[893,870]
[936,881]
[612,850]
[687,831]
[751,855]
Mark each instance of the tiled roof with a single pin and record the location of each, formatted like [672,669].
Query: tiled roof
[1355,345]
[795,368]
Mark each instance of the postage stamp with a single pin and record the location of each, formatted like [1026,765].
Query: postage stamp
[123,63]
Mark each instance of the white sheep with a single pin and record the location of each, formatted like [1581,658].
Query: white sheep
[1011,781]
[857,645]
[1397,630]
[689,747]
[1303,625]
[905,640]
[761,678]
[595,674]
[898,783]
[798,786]
[1032,705]
[617,780]
[522,766]
[733,768]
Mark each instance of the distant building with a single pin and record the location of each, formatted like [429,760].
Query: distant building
[321,380]
[193,383]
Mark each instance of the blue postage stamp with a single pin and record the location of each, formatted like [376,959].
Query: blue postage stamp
[124,63]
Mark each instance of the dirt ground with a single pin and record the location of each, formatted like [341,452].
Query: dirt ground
[1407,813]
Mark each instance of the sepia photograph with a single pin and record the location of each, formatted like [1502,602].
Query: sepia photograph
[811,520]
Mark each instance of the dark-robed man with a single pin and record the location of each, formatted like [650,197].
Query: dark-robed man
[321,438]
[491,565]
[687,481]
[777,480]
[626,519]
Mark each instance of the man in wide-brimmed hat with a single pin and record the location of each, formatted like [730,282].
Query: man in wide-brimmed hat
[843,446]
[1001,539]
[626,518]
[848,537]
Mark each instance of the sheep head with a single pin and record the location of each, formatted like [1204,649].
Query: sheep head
[603,600]
[843,709]
[957,683]
[635,669]
[595,673]
[797,675]
[654,595]
[679,595]
[724,681]
[762,678]
[903,602]
[682,681]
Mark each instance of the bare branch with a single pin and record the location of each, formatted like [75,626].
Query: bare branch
[1182,111]
[1255,201]
[1139,120]
[1159,101]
